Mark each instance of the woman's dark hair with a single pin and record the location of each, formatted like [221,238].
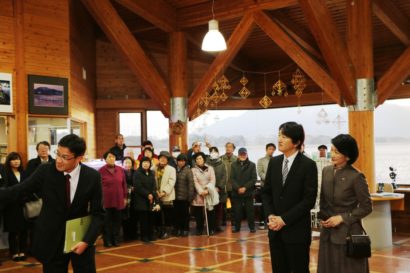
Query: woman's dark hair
[213,149]
[10,157]
[145,159]
[110,152]
[147,142]
[293,131]
[132,161]
[74,143]
[270,145]
[199,154]
[347,146]
[45,143]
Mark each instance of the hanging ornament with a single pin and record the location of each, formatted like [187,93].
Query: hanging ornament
[204,101]
[338,121]
[322,116]
[299,82]
[279,88]
[265,102]
[244,92]
[224,83]
[223,96]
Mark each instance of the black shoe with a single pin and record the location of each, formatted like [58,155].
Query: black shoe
[107,244]
[218,229]
[253,230]
[15,258]
[145,239]
[185,233]
[152,238]
[115,244]
[235,230]
[199,232]
[22,257]
[211,232]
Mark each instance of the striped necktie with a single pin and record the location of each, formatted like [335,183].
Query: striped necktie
[285,171]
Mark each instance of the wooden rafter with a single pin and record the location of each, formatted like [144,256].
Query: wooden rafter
[331,45]
[123,104]
[157,12]
[222,60]
[118,33]
[298,55]
[393,18]
[394,76]
[226,9]
[303,38]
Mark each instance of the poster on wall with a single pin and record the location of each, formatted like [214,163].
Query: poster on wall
[6,93]
[48,95]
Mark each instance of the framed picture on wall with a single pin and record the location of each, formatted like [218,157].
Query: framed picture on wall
[48,95]
[6,93]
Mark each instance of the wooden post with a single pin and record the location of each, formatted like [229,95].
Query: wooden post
[361,115]
[21,117]
[178,122]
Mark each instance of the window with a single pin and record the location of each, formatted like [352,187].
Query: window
[130,128]
[158,130]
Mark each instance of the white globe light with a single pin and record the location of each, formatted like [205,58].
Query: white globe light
[214,40]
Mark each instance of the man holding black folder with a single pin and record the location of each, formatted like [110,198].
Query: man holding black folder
[69,190]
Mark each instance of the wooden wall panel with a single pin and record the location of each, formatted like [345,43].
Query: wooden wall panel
[82,56]
[46,28]
[106,121]
[6,44]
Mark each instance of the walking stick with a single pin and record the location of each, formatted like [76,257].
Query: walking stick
[206,218]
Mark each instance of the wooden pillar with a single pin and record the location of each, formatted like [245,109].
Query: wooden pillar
[361,115]
[21,110]
[178,122]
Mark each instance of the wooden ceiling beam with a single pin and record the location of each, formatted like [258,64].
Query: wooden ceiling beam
[332,47]
[393,77]
[298,55]
[158,12]
[394,19]
[225,10]
[222,60]
[139,63]
[128,104]
[303,38]
[277,102]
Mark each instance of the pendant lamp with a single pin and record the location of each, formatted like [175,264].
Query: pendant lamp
[213,41]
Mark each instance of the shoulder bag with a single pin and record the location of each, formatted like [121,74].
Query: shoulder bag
[358,246]
[32,209]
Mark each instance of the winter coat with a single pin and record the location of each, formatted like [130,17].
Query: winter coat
[202,178]
[243,175]
[184,187]
[220,177]
[144,184]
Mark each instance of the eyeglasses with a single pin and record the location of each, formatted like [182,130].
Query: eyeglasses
[63,157]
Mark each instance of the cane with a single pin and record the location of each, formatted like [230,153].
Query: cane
[206,218]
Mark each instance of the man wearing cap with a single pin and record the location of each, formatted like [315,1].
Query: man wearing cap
[166,178]
[243,175]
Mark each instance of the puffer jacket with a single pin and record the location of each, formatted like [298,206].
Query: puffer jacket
[184,186]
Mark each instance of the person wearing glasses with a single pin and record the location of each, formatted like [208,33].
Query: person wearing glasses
[43,157]
[70,190]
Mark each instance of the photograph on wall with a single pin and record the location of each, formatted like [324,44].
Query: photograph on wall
[48,95]
[6,93]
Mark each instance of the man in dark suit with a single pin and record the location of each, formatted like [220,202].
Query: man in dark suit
[64,198]
[288,196]
[43,156]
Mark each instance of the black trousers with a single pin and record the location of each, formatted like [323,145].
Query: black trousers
[130,225]
[18,242]
[238,204]
[112,225]
[288,258]
[200,218]
[181,214]
[147,223]
[84,263]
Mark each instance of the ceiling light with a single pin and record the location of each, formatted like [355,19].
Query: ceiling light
[213,41]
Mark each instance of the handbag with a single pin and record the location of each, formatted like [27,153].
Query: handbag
[32,209]
[358,246]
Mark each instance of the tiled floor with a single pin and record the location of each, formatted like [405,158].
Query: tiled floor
[225,252]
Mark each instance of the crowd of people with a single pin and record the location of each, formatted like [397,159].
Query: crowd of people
[155,196]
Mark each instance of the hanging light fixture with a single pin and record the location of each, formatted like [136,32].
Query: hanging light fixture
[213,41]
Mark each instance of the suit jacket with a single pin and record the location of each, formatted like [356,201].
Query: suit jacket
[32,164]
[49,227]
[293,200]
[344,193]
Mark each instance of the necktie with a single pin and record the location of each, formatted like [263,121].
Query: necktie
[67,190]
[285,171]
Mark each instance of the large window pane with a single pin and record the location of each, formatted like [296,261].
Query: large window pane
[46,129]
[157,130]
[130,128]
